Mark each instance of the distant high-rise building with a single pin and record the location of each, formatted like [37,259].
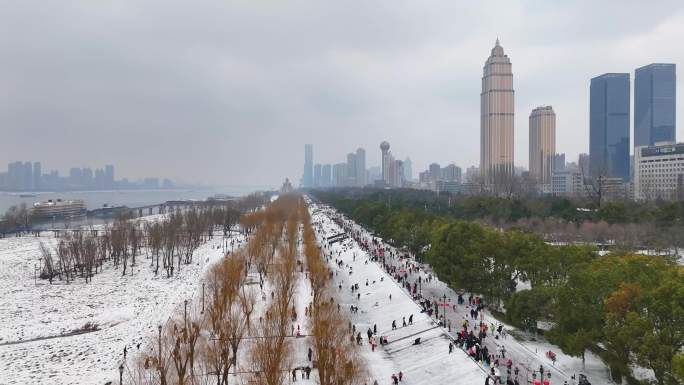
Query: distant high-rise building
[109,176]
[374,174]
[451,173]
[36,176]
[542,143]
[559,162]
[99,179]
[151,183]
[609,126]
[87,175]
[472,174]
[27,180]
[435,171]
[351,169]
[655,89]
[307,179]
[396,173]
[75,176]
[14,176]
[583,163]
[326,175]
[339,174]
[384,148]
[360,167]
[408,169]
[317,175]
[496,116]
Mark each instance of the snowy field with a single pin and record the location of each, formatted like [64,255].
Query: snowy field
[426,363]
[39,323]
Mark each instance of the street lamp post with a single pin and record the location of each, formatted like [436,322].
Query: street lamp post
[185,314]
[420,285]
[444,304]
[159,361]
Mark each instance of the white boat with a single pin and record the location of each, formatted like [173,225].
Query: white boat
[59,209]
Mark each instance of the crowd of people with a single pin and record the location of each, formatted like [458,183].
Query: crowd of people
[481,340]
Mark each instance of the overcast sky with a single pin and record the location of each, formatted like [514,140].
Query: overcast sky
[228,92]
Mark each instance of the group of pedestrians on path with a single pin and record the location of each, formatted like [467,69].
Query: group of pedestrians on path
[474,333]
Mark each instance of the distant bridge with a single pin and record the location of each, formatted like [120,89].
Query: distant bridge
[157,208]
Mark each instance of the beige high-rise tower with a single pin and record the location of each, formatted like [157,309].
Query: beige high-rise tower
[542,143]
[496,117]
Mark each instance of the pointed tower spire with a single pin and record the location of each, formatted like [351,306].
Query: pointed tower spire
[497,42]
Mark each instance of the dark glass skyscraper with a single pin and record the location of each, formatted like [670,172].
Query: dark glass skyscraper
[609,126]
[654,104]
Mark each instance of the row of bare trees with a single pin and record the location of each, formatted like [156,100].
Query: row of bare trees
[206,346]
[276,260]
[235,335]
[167,244]
[338,359]
[629,236]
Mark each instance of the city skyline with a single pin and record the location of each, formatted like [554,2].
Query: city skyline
[406,73]
[30,176]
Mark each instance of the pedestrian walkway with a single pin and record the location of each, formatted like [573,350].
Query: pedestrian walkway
[419,350]
[526,359]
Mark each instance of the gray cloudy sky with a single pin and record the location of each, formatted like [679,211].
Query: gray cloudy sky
[228,92]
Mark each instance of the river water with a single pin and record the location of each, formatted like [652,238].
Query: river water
[130,198]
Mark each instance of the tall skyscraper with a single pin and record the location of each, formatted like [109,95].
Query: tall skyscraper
[326,175]
[559,162]
[109,176]
[583,163]
[655,112]
[408,169]
[351,169]
[396,173]
[472,174]
[339,174]
[542,143]
[496,116]
[435,171]
[37,173]
[317,175]
[307,179]
[27,183]
[15,175]
[609,126]
[386,160]
[451,173]
[360,167]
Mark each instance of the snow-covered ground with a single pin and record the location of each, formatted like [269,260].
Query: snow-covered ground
[426,363]
[36,319]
